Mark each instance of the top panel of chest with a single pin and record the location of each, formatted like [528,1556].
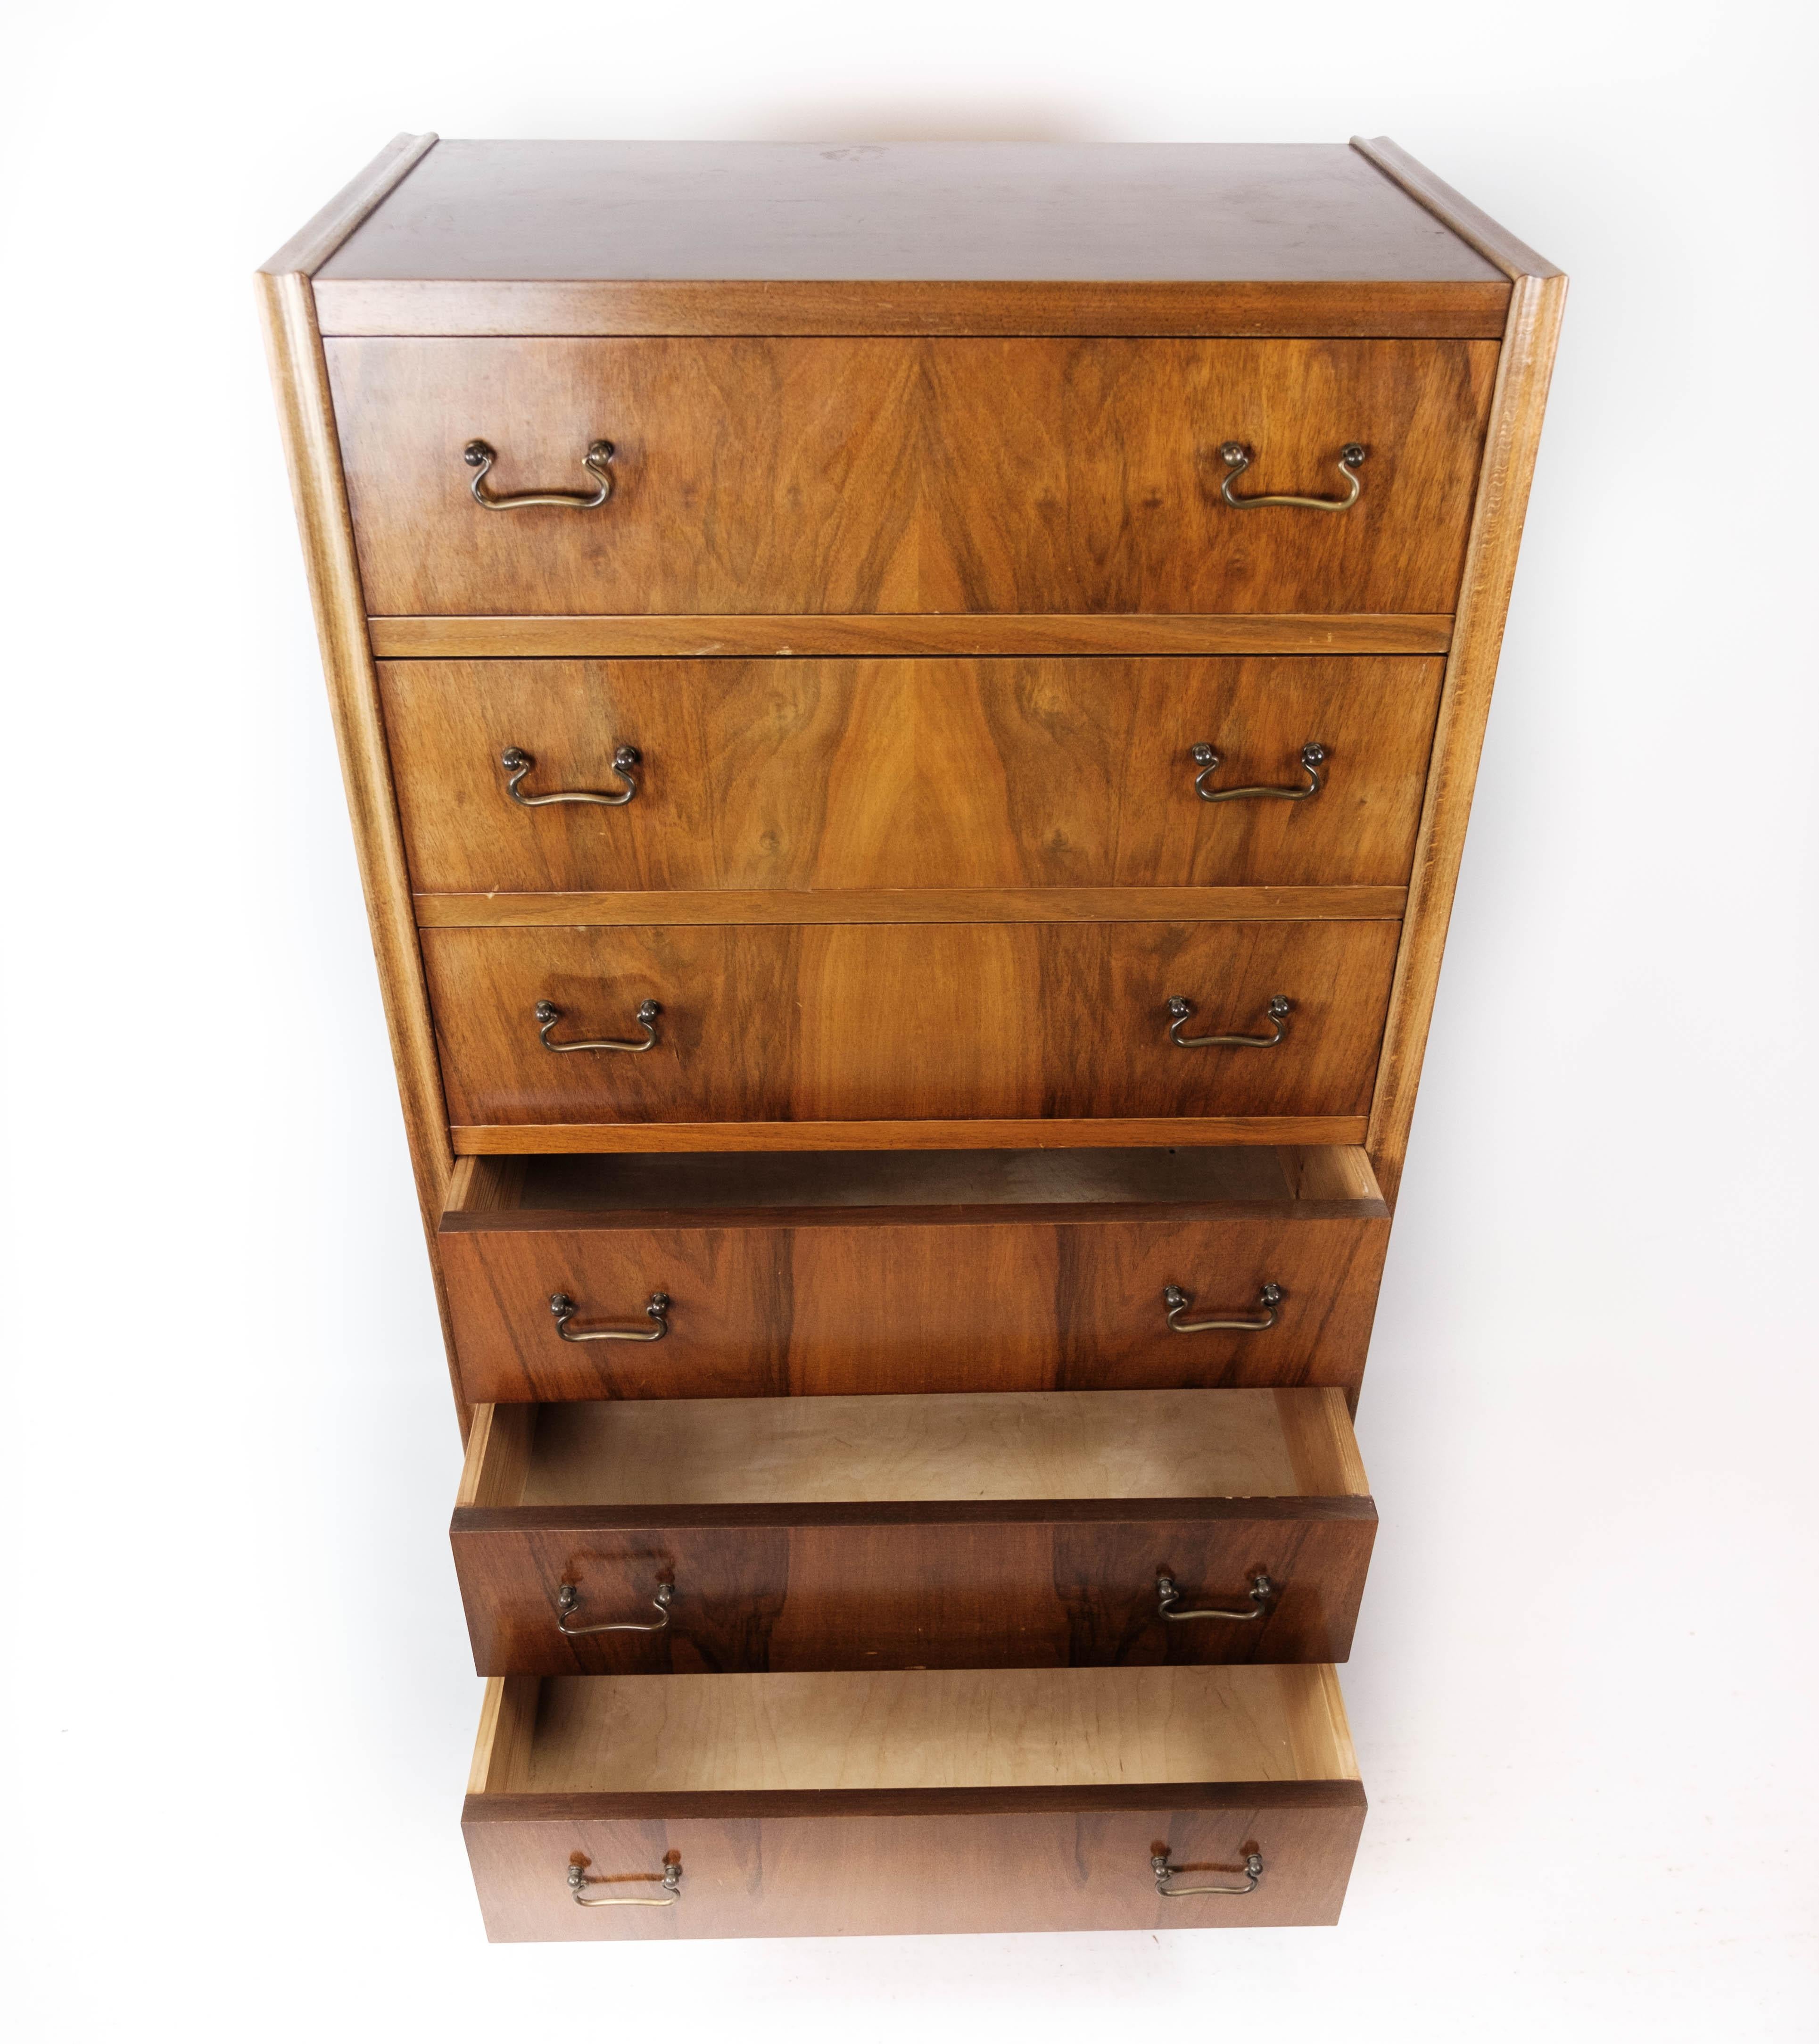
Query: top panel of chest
[988,238]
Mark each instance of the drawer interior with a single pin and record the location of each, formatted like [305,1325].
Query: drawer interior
[1295,1442]
[942,1728]
[945,1185]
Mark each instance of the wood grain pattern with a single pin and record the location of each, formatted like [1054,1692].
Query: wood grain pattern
[1098,1184]
[981,636]
[802,1587]
[1330,1173]
[497,1465]
[908,577]
[662,907]
[1053,1132]
[479,1185]
[948,1728]
[844,1863]
[1030,1445]
[880,1532]
[1464,310]
[953,475]
[502,1741]
[874,1022]
[317,239]
[1066,1845]
[300,379]
[1537,304]
[899,774]
[917,1301]
[1322,1448]
[576,238]
[1473,226]
[989,212]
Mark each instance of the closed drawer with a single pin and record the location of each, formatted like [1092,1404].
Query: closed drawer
[854,1022]
[812,773]
[824,1805]
[901,476]
[908,1272]
[1014,1530]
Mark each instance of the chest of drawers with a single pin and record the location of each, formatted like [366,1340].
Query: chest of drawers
[909,716]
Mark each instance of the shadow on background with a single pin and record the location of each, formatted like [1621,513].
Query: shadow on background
[883,122]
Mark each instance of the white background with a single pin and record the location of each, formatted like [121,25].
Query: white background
[1583,1684]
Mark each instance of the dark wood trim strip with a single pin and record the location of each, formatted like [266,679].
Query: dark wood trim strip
[550,1220]
[1524,365]
[300,377]
[730,1805]
[988,1512]
[690,907]
[1464,309]
[981,636]
[1475,227]
[542,1138]
[313,243]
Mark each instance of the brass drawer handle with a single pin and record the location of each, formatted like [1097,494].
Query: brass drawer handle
[1160,1867]
[579,1879]
[1180,1008]
[480,458]
[1207,760]
[1179,1302]
[564,1309]
[1237,459]
[568,1602]
[1168,1595]
[518,763]
[549,1015]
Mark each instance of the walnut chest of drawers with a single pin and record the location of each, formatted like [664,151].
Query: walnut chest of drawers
[909,715]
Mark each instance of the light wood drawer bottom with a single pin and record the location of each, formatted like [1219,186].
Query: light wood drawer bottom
[842,1805]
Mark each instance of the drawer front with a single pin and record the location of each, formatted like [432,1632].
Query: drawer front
[1055,1860]
[810,773]
[910,1588]
[763,1311]
[869,1021]
[774,476]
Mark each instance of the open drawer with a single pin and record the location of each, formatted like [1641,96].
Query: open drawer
[1012,1530]
[746,1806]
[910,1271]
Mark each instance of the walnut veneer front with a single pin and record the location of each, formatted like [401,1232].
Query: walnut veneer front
[976,593]
[825,774]
[931,1801]
[797,475]
[973,1530]
[907,1272]
[989,1021]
